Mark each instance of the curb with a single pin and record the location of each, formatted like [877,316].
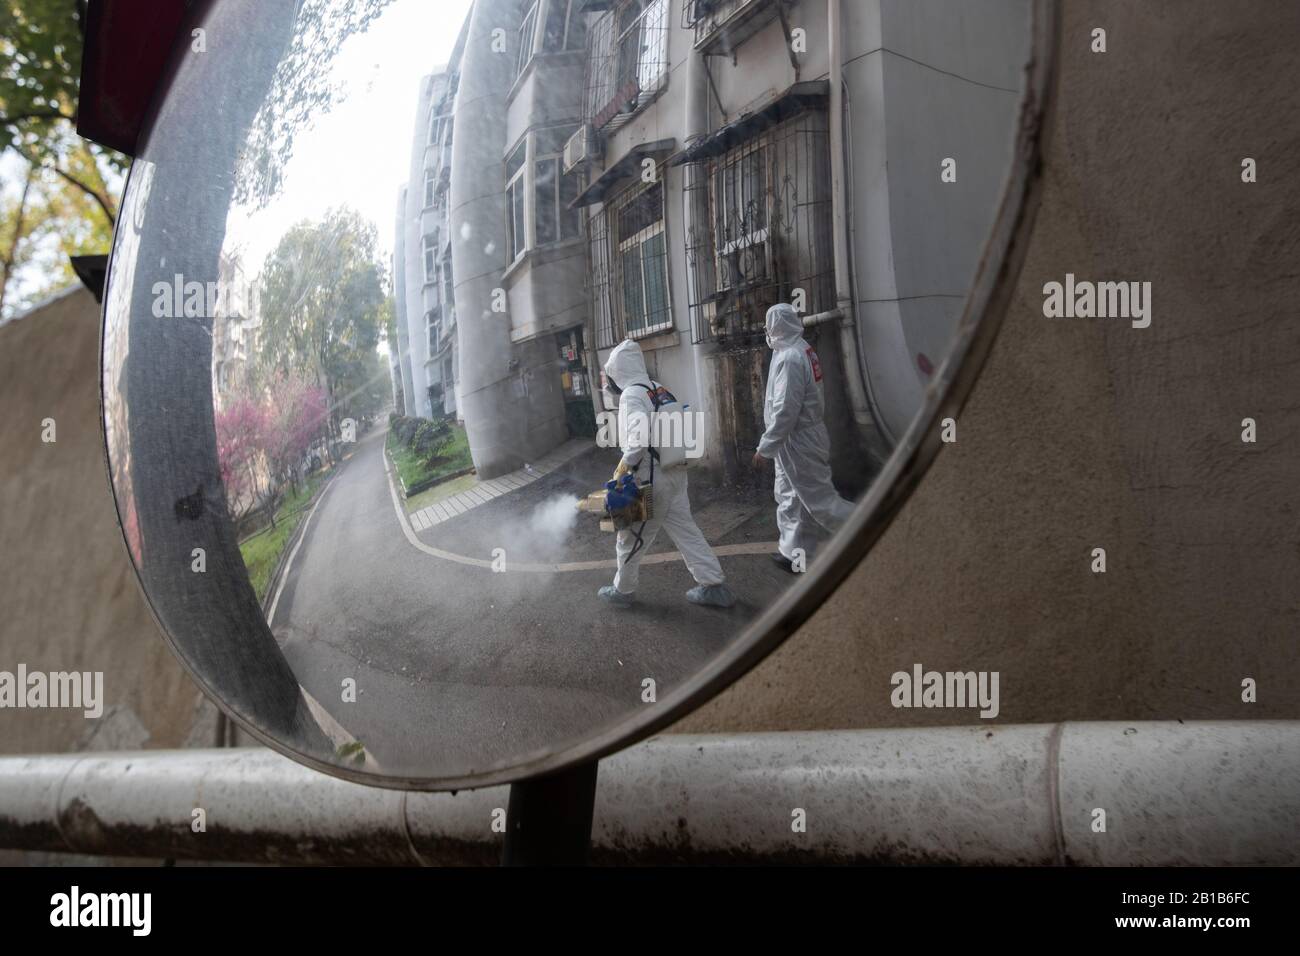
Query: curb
[274,581]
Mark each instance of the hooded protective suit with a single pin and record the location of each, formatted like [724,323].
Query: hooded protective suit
[795,436]
[672,508]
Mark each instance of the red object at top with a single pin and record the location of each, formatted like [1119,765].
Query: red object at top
[128,46]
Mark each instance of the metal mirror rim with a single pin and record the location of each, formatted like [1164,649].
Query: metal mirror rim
[986,304]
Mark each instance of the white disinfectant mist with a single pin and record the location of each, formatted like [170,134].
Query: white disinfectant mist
[543,532]
[553,520]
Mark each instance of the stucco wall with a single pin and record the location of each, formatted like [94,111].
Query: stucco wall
[1089,433]
[68,595]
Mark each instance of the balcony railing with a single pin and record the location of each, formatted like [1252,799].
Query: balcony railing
[627,62]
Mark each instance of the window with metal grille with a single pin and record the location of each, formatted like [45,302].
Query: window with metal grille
[629,266]
[627,61]
[759,230]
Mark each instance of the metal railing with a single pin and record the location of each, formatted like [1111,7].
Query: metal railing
[1169,793]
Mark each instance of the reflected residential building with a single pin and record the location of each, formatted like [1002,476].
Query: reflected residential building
[741,107]
[519,263]
[425,299]
[666,170]
[236,323]
[395,363]
[402,354]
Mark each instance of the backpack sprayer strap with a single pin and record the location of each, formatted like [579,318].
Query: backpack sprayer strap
[654,457]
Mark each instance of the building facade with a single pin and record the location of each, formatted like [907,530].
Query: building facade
[665,170]
[424,299]
[236,324]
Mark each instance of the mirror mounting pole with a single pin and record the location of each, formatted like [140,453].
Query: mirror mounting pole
[548,821]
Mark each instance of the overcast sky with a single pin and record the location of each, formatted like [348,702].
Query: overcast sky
[359,153]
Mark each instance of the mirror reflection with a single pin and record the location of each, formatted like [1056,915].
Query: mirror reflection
[475,373]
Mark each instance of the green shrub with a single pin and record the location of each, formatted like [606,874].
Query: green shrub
[404,429]
[430,440]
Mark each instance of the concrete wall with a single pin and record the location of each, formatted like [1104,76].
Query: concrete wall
[1089,433]
[409,404]
[68,596]
[510,396]
[928,80]
[416,223]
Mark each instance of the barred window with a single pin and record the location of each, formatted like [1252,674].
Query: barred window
[627,61]
[629,266]
[760,230]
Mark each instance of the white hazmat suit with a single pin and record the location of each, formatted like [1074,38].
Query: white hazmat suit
[671,506]
[796,437]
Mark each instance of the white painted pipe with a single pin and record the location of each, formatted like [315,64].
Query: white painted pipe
[853,369]
[1204,793]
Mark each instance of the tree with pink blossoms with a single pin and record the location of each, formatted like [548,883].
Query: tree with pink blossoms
[241,430]
[297,414]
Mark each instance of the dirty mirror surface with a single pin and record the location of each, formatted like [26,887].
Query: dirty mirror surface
[400,286]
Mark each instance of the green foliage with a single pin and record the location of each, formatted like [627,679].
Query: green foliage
[261,552]
[300,91]
[70,206]
[354,752]
[40,65]
[424,450]
[430,440]
[323,305]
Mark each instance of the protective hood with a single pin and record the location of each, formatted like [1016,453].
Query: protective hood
[784,327]
[626,365]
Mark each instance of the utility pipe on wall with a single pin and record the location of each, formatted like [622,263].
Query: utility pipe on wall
[853,369]
[1199,793]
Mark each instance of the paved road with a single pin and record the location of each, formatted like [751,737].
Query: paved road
[460,669]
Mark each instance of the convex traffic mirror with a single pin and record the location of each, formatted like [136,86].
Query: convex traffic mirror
[485,386]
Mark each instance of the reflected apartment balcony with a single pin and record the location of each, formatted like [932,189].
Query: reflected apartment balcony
[627,62]
[721,26]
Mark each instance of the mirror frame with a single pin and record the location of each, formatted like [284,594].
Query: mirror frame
[986,304]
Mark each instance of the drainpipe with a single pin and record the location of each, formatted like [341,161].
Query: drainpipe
[853,371]
[1205,793]
[696,126]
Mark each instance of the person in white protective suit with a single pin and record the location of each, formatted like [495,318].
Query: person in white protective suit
[639,397]
[795,437]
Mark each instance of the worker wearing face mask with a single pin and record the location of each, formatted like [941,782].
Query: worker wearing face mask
[639,399]
[795,437]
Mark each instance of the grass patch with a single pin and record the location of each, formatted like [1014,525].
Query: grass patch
[261,551]
[413,470]
[438,492]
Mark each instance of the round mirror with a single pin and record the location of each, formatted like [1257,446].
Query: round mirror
[485,385]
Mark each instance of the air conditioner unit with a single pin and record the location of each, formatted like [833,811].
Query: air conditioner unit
[583,145]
